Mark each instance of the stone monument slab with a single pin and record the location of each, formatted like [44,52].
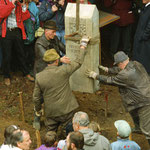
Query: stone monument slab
[89,25]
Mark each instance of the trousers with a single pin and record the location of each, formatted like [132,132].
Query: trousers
[121,34]
[13,42]
[52,123]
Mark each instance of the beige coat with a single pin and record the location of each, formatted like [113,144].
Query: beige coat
[53,85]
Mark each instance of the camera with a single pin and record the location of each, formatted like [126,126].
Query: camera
[55,2]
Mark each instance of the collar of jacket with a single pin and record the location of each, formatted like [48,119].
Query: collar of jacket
[45,42]
[120,139]
[129,64]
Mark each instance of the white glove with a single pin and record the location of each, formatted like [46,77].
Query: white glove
[39,113]
[91,74]
[84,41]
[103,68]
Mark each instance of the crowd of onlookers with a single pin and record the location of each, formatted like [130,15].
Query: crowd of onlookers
[81,134]
[19,20]
[41,56]
[22,24]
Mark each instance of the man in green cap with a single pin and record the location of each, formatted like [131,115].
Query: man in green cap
[47,41]
[52,84]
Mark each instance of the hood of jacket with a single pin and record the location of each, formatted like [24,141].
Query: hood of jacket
[90,137]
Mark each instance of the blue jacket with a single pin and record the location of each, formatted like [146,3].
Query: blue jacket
[125,144]
[45,13]
[35,11]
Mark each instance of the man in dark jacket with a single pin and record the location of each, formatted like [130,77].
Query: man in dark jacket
[134,87]
[53,85]
[122,28]
[141,44]
[54,10]
[47,41]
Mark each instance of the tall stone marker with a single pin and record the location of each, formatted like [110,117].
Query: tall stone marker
[89,25]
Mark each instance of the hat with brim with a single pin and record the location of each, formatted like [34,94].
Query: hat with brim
[50,25]
[123,128]
[120,57]
[50,55]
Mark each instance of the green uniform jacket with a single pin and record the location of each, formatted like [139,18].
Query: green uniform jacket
[53,85]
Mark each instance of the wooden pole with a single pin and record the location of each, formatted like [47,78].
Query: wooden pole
[106,104]
[38,137]
[77,15]
[21,106]
[130,137]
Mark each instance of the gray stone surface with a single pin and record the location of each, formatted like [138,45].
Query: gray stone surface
[89,25]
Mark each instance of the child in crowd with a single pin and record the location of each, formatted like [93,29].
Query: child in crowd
[94,126]
[62,145]
[49,141]
[123,133]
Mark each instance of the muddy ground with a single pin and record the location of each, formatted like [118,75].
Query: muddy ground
[93,104]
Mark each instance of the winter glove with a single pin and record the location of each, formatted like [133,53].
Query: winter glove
[39,113]
[84,41]
[103,68]
[91,74]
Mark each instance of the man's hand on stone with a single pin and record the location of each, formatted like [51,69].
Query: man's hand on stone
[65,60]
[54,8]
[91,74]
[103,68]
[84,41]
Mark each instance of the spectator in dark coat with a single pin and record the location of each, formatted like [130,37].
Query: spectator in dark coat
[141,46]
[134,87]
[52,11]
[47,41]
[122,28]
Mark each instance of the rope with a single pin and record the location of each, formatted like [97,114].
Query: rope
[76,35]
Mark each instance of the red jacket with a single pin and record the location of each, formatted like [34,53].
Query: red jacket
[121,8]
[5,11]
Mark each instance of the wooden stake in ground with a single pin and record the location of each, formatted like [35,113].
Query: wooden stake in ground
[130,137]
[21,106]
[77,15]
[38,137]
[106,104]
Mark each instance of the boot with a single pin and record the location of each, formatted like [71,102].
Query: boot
[136,130]
[135,118]
[36,122]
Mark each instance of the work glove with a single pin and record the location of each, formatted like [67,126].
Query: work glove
[39,113]
[91,74]
[84,41]
[103,68]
